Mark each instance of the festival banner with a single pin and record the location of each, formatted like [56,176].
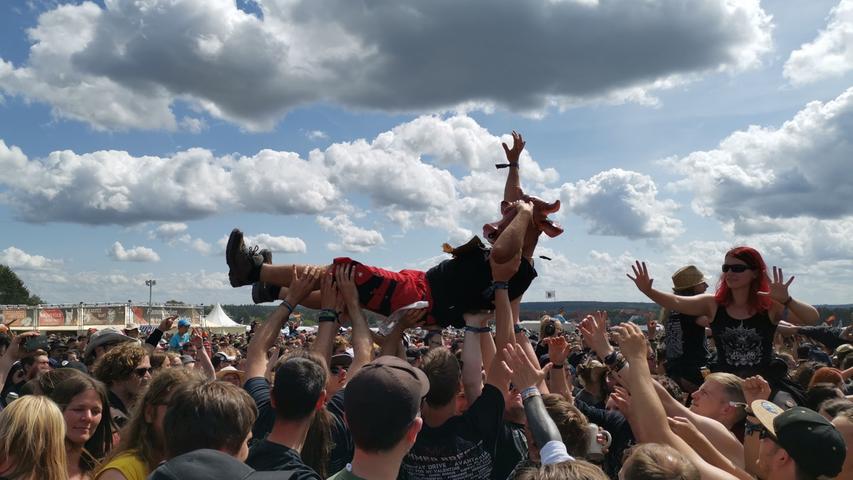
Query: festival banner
[51,317]
[16,317]
[104,316]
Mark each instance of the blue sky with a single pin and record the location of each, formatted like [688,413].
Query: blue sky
[135,135]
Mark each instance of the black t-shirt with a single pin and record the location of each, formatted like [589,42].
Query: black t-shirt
[343,448]
[463,447]
[615,423]
[259,390]
[266,456]
[744,347]
[510,450]
[462,284]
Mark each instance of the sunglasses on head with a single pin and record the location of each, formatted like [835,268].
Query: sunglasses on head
[140,372]
[737,268]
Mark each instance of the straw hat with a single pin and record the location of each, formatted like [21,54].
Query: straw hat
[687,277]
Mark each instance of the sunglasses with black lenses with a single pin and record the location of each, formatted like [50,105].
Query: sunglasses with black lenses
[737,268]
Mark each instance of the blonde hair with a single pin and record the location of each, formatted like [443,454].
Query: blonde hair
[32,436]
[573,470]
[732,384]
[654,461]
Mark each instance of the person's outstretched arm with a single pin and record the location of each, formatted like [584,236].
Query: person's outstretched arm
[512,188]
[716,432]
[472,359]
[526,375]
[501,273]
[203,362]
[650,423]
[12,354]
[703,446]
[696,305]
[558,351]
[362,343]
[154,338]
[266,335]
[327,327]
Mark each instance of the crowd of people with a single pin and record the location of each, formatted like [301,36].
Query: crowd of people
[741,383]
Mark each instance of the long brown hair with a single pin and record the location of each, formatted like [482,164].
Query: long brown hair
[97,447]
[139,434]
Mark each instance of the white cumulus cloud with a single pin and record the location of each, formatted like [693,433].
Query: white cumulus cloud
[351,238]
[622,203]
[760,175]
[830,54]
[136,254]
[16,258]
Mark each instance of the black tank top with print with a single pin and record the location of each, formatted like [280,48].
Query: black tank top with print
[744,347]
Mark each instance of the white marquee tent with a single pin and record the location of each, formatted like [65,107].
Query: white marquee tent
[219,322]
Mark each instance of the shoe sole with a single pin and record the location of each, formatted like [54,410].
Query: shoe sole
[234,241]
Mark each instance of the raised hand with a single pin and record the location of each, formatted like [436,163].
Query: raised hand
[685,429]
[196,339]
[513,154]
[345,278]
[412,318]
[779,287]
[622,401]
[524,373]
[594,331]
[303,284]
[632,342]
[755,388]
[558,349]
[502,272]
[328,290]
[641,277]
[166,323]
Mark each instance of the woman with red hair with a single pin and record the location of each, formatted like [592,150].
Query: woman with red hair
[744,311]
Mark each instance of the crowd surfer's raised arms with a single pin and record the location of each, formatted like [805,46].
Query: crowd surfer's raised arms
[738,380]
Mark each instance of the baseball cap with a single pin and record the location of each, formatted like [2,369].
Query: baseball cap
[184,323]
[385,392]
[131,326]
[815,444]
[341,359]
[185,359]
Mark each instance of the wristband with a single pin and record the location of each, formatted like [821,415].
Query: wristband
[529,392]
[500,285]
[328,315]
[518,328]
[788,301]
[287,304]
[749,428]
[611,358]
[473,329]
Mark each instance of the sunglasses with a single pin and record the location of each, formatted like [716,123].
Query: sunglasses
[738,268]
[140,372]
[336,369]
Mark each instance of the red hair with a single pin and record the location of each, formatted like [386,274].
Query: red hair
[761,282]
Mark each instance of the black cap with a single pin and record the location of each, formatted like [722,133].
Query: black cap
[815,444]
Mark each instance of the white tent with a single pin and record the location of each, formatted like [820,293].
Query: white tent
[219,322]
